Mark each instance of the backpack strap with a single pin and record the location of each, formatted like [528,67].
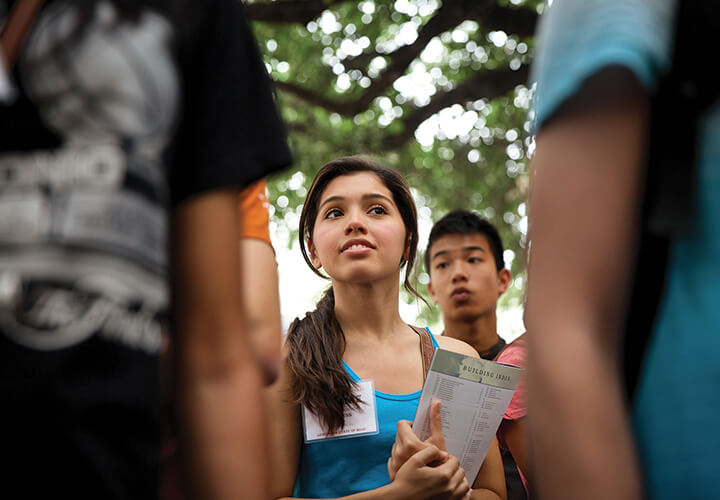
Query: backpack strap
[684,93]
[427,348]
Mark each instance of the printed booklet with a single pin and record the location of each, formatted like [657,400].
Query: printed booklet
[475,394]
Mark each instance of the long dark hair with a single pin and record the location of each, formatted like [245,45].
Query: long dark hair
[316,343]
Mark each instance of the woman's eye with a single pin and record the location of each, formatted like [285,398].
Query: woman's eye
[333,213]
[474,260]
[441,265]
[378,210]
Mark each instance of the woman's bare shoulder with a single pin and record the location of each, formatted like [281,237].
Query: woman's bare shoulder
[455,345]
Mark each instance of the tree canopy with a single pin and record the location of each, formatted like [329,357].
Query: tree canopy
[435,89]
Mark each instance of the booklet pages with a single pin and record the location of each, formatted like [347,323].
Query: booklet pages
[475,394]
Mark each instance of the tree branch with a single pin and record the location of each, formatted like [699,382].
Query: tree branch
[519,21]
[450,14]
[487,84]
[288,11]
[490,15]
[332,105]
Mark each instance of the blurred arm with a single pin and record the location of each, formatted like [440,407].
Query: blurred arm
[261,304]
[584,206]
[220,415]
[261,300]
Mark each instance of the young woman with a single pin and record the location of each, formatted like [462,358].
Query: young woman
[359,225]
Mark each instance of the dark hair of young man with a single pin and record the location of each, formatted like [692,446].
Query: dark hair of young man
[466,222]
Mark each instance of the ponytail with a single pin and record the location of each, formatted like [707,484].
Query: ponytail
[319,381]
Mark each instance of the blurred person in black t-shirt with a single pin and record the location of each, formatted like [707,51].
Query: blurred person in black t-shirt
[128,128]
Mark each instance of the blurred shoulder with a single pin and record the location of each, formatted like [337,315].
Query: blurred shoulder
[515,353]
[576,40]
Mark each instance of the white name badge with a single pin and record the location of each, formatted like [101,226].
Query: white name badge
[358,422]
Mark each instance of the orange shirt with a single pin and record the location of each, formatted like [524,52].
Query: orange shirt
[253,211]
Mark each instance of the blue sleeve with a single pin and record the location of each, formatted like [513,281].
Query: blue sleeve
[576,39]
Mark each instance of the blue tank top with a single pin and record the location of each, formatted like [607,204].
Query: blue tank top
[335,468]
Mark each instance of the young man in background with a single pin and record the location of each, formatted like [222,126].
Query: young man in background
[467,277]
